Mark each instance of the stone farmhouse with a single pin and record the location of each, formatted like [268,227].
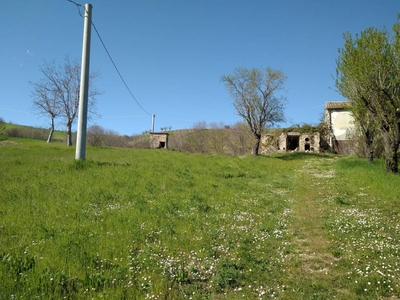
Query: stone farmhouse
[336,136]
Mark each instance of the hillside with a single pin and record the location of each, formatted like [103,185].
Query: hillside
[16,130]
[157,224]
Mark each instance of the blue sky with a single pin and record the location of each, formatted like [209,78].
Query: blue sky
[172,54]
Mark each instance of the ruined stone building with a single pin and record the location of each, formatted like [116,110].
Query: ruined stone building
[295,141]
[337,137]
[291,141]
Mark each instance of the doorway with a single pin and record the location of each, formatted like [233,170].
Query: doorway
[293,142]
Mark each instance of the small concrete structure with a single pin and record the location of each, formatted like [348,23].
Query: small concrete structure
[159,140]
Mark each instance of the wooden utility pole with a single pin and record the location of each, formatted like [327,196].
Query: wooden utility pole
[84,88]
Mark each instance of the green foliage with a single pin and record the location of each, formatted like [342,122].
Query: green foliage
[300,128]
[367,74]
[228,276]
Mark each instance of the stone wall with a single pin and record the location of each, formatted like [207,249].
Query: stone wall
[159,140]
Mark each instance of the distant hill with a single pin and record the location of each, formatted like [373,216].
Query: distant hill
[16,130]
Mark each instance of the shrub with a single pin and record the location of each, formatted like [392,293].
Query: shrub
[27,132]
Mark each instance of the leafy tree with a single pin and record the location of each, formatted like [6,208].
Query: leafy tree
[254,93]
[368,75]
[58,93]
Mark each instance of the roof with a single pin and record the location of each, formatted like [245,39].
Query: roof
[337,105]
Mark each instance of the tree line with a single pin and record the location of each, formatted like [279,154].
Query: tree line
[212,138]
[202,138]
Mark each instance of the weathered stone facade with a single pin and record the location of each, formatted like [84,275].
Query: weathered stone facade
[159,140]
[291,141]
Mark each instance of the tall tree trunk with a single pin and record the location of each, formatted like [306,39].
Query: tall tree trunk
[369,138]
[69,135]
[51,131]
[256,147]
[391,159]
[369,153]
[50,135]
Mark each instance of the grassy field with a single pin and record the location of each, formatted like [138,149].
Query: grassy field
[153,224]
[57,135]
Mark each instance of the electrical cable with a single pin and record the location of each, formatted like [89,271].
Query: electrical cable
[121,77]
[111,59]
[78,6]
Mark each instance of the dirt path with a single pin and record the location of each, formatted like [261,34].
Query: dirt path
[309,216]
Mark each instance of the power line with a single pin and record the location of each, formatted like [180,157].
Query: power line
[111,59]
[78,6]
[105,48]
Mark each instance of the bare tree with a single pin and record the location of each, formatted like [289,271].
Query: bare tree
[218,137]
[95,135]
[213,138]
[60,89]
[45,103]
[240,140]
[199,138]
[254,93]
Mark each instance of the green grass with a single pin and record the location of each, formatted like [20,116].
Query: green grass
[153,224]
